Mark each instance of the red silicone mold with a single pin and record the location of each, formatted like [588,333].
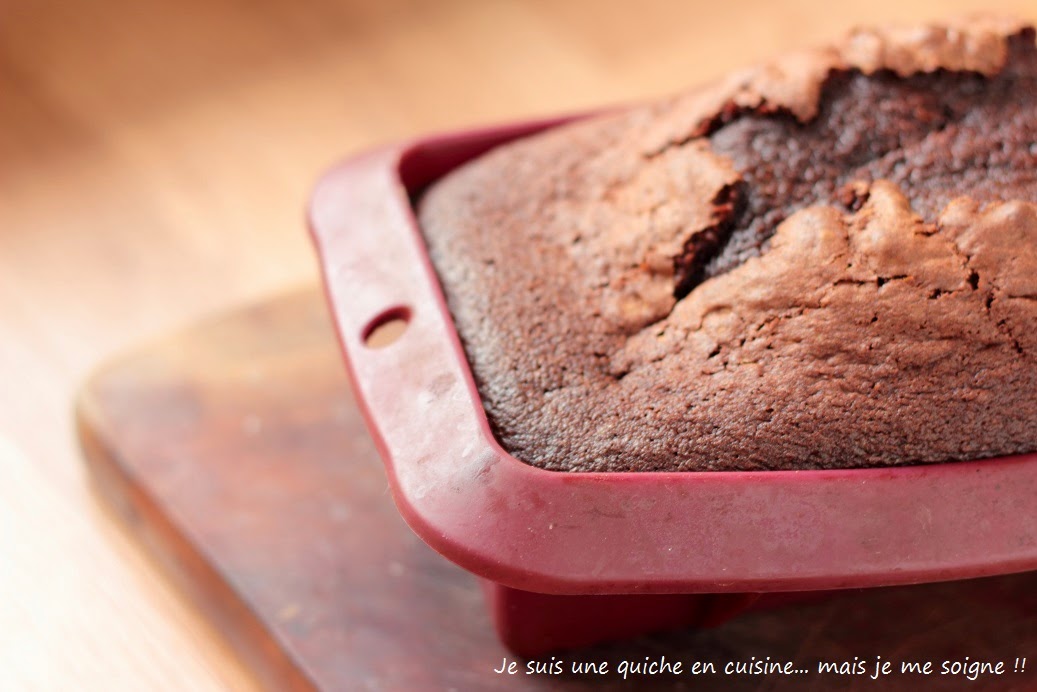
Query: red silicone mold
[573,558]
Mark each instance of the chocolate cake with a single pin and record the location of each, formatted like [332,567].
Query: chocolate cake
[828,261]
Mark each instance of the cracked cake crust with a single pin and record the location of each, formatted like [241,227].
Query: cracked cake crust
[667,288]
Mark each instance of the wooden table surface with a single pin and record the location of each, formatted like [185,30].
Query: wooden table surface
[154,163]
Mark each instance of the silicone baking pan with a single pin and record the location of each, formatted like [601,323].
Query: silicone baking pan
[572,558]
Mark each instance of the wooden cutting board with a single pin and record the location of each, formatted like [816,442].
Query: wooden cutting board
[236,455]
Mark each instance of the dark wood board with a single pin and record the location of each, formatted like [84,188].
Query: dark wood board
[236,455]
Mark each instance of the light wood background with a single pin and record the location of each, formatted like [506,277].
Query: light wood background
[155,160]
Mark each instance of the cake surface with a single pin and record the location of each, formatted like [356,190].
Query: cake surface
[828,261]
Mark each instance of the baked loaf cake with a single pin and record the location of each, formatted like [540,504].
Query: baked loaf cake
[828,261]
